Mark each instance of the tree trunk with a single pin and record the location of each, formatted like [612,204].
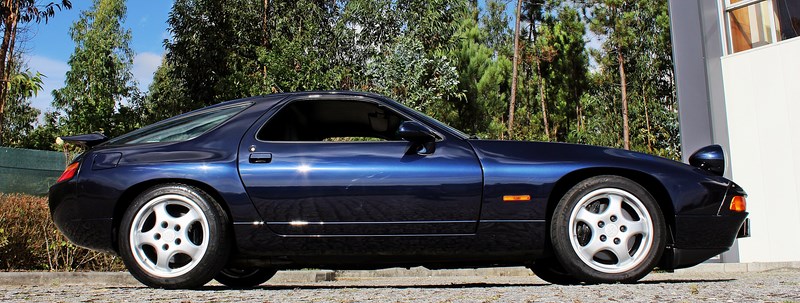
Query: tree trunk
[6,55]
[625,131]
[514,75]
[541,99]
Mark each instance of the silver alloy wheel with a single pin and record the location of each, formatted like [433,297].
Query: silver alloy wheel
[169,236]
[610,230]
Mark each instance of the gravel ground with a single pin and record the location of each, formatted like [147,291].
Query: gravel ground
[771,286]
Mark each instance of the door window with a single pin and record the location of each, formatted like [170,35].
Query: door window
[332,121]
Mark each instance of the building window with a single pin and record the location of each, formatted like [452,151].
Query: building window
[754,23]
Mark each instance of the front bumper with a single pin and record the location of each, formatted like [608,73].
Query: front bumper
[699,238]
[744,230]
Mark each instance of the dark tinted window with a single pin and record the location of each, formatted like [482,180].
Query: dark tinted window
[182,128]
[789,18]
[332,120]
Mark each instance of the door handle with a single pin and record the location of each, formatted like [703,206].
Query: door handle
[260,157]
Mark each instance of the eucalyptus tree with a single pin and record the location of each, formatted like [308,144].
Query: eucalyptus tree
[99,82]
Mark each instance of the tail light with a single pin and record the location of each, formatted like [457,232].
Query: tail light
[738,204]
[69,172]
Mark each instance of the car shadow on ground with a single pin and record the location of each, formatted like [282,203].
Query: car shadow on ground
[679,281]
[350,285]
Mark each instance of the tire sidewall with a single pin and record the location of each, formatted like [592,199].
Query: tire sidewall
[560,231]
[211,262]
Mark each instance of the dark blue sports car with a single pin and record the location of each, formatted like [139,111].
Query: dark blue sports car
[344,180]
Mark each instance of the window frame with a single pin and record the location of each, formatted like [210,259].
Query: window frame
[220,107]
[729,7]
[281,107]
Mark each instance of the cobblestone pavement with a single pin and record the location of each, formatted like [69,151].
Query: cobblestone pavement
[771,286]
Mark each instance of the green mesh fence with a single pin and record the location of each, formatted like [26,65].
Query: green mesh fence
[29,171]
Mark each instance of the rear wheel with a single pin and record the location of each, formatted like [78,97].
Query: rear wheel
[244,278]
[608,229]
[174,236]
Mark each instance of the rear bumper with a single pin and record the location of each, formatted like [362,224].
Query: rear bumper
[78,222]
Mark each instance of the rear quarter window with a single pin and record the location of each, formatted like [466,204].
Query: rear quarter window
[182,128]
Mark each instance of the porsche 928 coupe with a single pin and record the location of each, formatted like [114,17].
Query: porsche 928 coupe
[345,180]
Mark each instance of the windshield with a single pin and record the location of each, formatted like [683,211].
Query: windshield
[181,128]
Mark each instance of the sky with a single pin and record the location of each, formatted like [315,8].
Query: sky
[47,47]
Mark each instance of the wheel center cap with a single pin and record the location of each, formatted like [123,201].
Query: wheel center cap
[611,230]
[169,236]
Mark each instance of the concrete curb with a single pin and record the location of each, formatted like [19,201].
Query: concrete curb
[307,276]
[739,267]
[424,272]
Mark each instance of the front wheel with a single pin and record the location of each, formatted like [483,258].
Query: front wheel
[174,236]
[608,229]
[244,277]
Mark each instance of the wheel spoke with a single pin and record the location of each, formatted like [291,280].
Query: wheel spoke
[621,251]
[595,246]
[634,227]
[188,248]
[614,205]
[163,258]
[187,219]
[161,212]
[146,238]
[588,217]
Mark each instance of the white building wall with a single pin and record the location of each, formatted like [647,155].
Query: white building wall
[762,96]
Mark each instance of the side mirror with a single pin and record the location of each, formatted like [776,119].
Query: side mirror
[414,132]
[710,158]
[423,138]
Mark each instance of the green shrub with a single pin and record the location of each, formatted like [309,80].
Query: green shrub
[29,240]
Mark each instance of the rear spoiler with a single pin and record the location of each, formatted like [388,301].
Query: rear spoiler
[86,140]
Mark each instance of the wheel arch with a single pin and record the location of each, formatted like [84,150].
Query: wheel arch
[650,183]
[134,191]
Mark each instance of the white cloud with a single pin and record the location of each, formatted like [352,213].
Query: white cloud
[55,72]
[144,66]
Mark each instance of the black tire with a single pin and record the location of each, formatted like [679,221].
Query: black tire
[244,278]
[608,229]
[551,271]
[174,236]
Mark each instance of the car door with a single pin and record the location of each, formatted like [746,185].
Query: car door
[302,184]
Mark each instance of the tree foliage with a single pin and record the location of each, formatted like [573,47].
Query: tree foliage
[99,82]
[20,115]
[449,58]
[12,14]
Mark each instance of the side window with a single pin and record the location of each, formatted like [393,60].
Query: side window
[332,120]
[182,128]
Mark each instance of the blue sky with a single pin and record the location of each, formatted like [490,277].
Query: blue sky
[47,47]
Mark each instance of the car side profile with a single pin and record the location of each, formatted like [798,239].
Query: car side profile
[346,180]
